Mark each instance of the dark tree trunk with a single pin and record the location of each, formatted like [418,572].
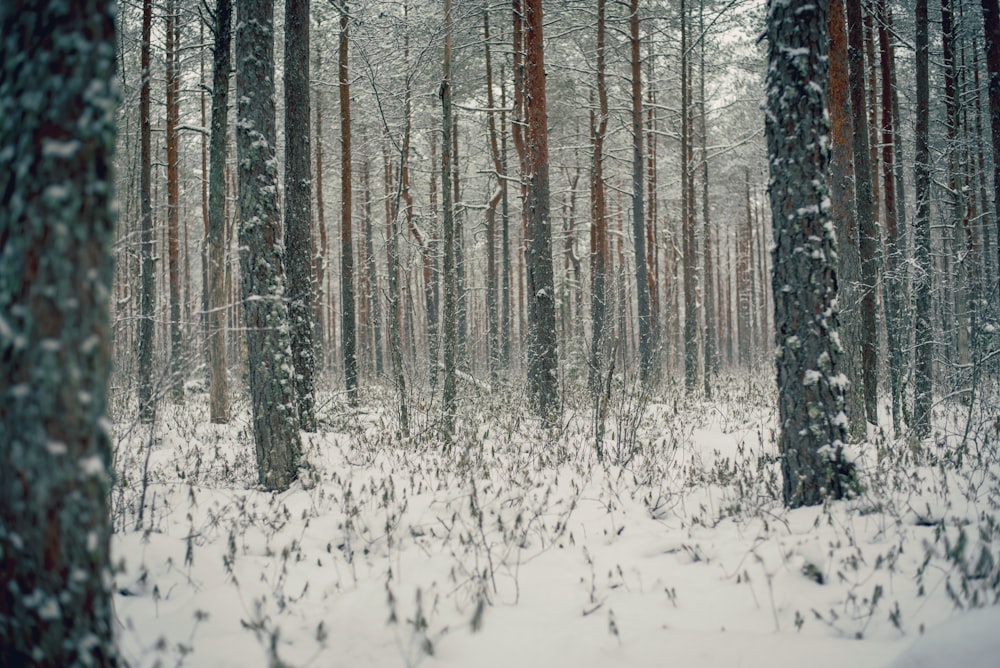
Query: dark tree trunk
[691,311]
[298,209]
[217,379]
[638,208]
[599,224]
[894,285]
[810,384]
[57,227]
[147,298]
[864,200]
[492,310]
[543,381]
[711,323]
[323,251]
[173,203]
[922,235]
[272,390]
[844,215]
[348,331]
[450,315]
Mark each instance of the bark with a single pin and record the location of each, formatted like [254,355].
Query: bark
[147,299]
[265,314]
[450,315]
[810,384]
[348,331]
[492,309]
[322,250]
[924,347]
[57,228]
[543,381]
[711,322]
[638,203]
[173,203]
[894,285]
[844,214]
[598,229]
[298,210]
[864,201]
[691,311]
[217,366]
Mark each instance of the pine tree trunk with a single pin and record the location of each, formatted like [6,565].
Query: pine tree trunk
[543,381]
[173,203]
[638,204]
[810,384]
[323,358]
[217,367]
[864,203]
[691,311]
[450,315]
[147,298]
[598,228]
[272,390]
[348,331]
[711,325]
[298,209]
[922,234]
[57,226]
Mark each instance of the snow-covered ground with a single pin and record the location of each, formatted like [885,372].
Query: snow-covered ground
[518,548]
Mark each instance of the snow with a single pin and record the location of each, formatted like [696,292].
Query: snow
[517,547]
[970,641]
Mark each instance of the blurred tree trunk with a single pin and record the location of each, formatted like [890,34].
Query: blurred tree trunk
[57,228]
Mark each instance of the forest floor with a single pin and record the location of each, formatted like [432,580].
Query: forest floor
[518,547]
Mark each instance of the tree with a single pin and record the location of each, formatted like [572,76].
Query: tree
[348,330]
[217,380]
[173,84]
[688,206]
[864,200]
[298,209]
[147,297]
[991,29]
[598,210]
[272,390]
[449,318]
[804,284]
[924,347]
[56,232]
[543,387]
[638,213]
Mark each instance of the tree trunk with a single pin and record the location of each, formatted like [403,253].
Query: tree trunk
[599,215]
[450,315]
[922,234]
[147,299]
[894,285]
[217,366]
[298,210]
[272,390]
[638,209]
[492,310]
[864,200]
[543,381]
[57,226]
[173,203]
[810,384]
[691,311]
[348,330]
[711,324]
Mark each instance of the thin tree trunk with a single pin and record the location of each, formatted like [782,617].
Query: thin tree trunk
[711,325]
[173,204]
[598,228]
[147,298]
[691,311]
[217,368]
[450,315]
[922,231]
[348,329]
[638,204]
[323,250]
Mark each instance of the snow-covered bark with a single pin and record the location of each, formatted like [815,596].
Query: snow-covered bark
[57,133]
[810,383]
[272,390]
